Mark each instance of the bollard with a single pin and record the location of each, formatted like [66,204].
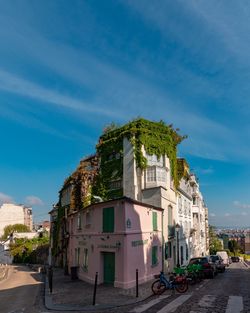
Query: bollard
[137,291]
[50,278]
[94,295]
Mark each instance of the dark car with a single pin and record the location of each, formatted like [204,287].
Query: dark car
[217,260]
[235,259]
[208,267]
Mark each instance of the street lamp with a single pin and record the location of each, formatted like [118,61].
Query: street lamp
[177,228]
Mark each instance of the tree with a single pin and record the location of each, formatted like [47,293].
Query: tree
[19,228]
[30,250]
[214,242]
[233,246]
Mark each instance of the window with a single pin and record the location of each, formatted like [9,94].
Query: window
[170,215]
[77,256]
[154,221]
[85,259]
[180,204]
[168,250]
[185,207]
[182,257]
[154,255]
[186,252]
[88,218]
[151,174]
[116,184]
[155,173]
[108,220]
[161,174]
[79,221]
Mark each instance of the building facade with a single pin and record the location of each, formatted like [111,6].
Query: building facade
[11,214]
[139,162]
[115,238]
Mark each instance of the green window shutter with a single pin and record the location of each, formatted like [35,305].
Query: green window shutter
[108,220]
[154,255]
[154,220]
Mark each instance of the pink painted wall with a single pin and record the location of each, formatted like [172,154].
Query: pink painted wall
[131,245]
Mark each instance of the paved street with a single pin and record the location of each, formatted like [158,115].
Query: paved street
[18,293]
[227,292]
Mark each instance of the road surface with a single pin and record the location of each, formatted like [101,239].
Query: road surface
[19,292]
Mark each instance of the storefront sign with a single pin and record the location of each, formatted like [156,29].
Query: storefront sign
[82,243]
[107,246]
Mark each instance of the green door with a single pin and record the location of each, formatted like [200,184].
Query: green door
[109,267]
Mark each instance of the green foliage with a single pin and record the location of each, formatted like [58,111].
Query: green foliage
[19,228]
[156,137]
[30,250]
[233,247]
[214,242]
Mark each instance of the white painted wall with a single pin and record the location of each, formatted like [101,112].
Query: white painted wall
[11,214]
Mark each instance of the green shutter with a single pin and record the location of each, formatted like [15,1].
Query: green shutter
[154,255]
[154,220]
[108,220]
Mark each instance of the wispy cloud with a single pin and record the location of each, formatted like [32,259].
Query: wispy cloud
[5,198]
[17,85]
[33,200]
[240,205]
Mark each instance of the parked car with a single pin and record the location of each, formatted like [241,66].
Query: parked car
[235,259]
[217,260]
[208,267]
[224,257]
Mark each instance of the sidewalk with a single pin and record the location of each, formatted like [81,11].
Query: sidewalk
[76,295]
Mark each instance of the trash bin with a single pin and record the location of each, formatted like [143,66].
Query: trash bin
[73,271]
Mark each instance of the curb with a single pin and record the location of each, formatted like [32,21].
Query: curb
[48,303]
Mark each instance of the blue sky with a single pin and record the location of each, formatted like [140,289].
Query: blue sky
[68,68]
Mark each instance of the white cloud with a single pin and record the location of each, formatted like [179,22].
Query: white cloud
[238,204]
[227,214]
[244,213]
[212,214]
[5,198]
[33,200]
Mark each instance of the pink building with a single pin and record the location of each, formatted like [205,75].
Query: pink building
[114,238]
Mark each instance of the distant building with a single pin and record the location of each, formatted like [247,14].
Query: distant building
[11,214]
[247,243]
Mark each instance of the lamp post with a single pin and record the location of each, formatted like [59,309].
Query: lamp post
[177,228]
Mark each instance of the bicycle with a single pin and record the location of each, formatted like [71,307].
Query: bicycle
[178,283]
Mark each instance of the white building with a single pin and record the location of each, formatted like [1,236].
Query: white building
[11,214]
[200,223]
[184,215]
